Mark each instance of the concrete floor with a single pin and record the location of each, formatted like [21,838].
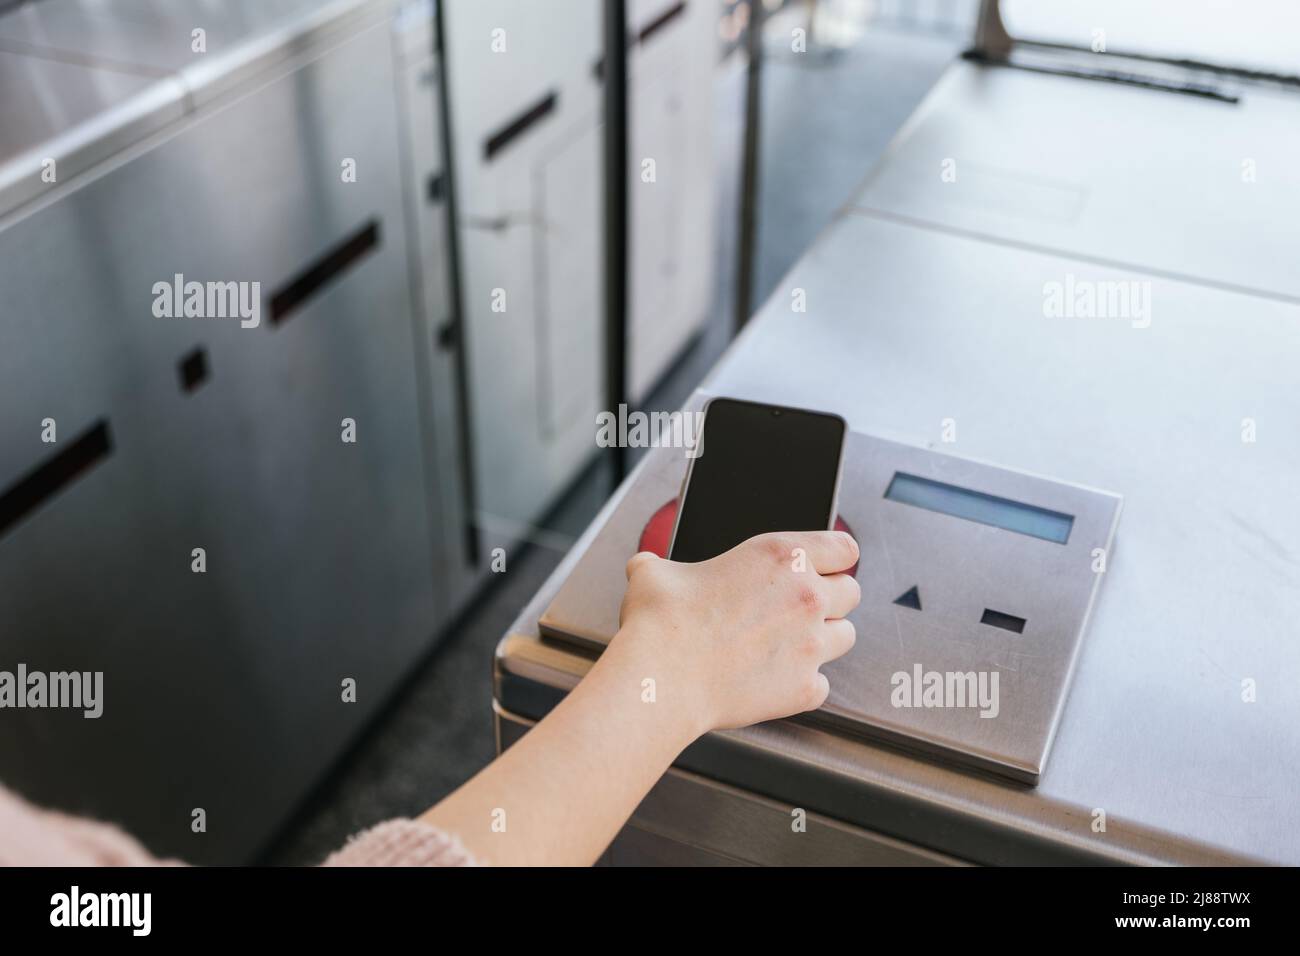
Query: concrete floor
[827,117]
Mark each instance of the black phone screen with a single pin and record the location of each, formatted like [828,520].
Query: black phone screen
[761,468]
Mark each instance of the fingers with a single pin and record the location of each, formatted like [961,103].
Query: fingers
[828,551]
[841,595]
[840,636]
[639,559]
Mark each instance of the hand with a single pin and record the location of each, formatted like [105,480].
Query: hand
[727,642]
[739,639]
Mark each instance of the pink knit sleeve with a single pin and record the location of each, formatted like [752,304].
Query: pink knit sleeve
[30,836]
[402,843]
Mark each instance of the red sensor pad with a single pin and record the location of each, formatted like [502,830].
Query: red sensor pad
[658,532]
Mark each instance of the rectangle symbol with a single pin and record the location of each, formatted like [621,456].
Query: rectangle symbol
[1008,622]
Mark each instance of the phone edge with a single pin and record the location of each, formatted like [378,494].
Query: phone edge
[690,467]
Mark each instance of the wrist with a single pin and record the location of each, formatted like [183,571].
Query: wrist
[667,696]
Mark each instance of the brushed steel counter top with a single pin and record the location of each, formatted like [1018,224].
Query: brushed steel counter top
[82,80]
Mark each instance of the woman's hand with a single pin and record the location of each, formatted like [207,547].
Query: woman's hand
[722,643]
[740,638]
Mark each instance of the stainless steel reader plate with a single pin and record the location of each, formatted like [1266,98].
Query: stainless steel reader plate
[977,583]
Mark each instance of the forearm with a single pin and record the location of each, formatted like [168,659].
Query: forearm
[561,793]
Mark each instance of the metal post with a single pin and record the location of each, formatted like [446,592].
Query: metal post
[749,174]
[991,38]
[456,321]
[616,217]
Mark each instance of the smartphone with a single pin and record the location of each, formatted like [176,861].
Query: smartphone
[758,468]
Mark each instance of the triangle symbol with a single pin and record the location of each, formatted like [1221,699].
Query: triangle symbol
[910,598]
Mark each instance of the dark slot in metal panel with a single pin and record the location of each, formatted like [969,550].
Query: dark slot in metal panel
[45,481]
[436,187]
[649,30]
[193,370]
[661,21]
[321,272]
[516,127]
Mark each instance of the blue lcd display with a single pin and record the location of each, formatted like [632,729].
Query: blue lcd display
[977,506]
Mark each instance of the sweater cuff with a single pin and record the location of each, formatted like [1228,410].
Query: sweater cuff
[402,843]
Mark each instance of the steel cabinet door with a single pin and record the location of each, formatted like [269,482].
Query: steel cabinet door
[222,689]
